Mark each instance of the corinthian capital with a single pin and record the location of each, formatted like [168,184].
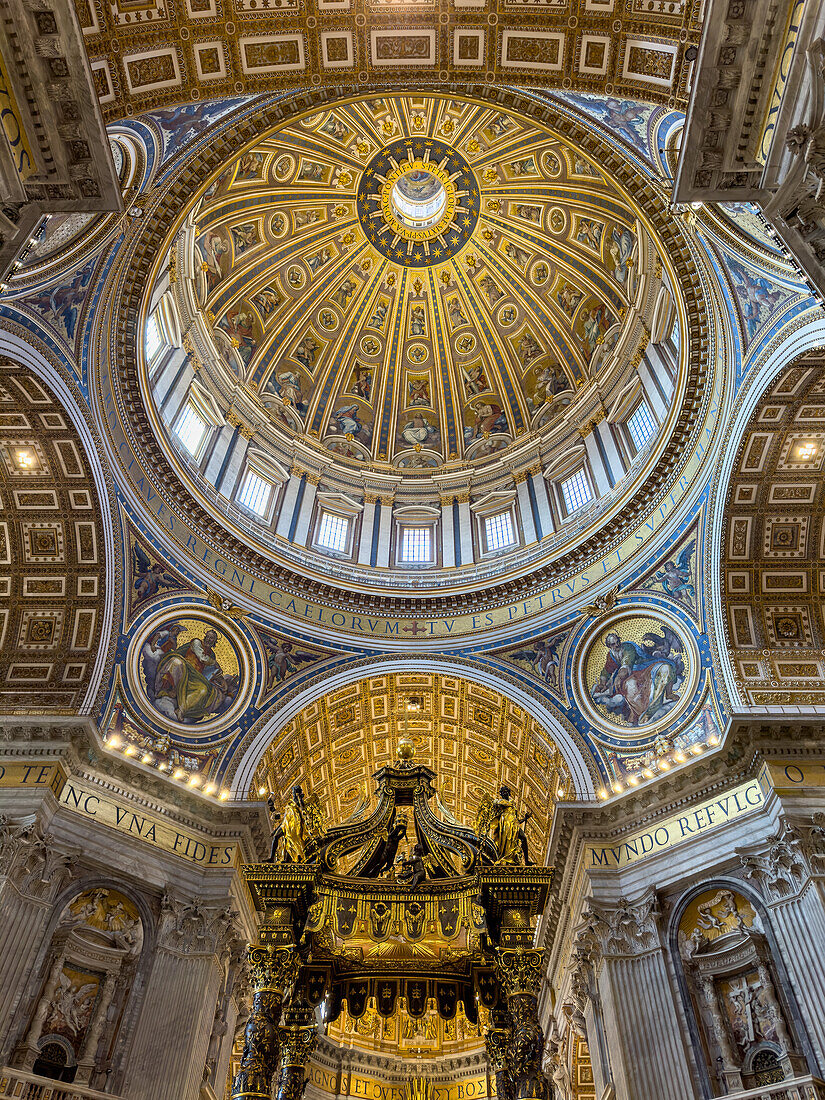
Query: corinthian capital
[298,1034]
[495,1040]
[30,860]
[782,866]
[273,968]
[623,929]
[194,928]
[520,971]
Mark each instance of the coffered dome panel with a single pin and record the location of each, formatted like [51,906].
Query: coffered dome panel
[347,319]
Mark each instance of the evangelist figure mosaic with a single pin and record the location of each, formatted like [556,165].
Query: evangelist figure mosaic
[189,671]
[635,671]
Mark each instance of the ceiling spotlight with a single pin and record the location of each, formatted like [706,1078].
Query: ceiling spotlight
[209,788]
[602,793]
[224,795]
[146,758]
[194,780]
[24,459]
[180,773]
[261,790]
[806,450]
[113,742]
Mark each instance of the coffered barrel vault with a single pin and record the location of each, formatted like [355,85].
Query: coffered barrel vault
[151,53]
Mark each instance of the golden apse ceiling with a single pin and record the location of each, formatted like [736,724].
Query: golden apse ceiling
[473,738]
[414,279]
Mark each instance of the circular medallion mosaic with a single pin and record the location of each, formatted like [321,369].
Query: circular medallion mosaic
[418,201]
[189,671]
[637,673]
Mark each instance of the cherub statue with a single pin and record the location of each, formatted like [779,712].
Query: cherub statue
[498,817]
[413,871]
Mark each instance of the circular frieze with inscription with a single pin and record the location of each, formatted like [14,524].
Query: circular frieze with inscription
[418,201]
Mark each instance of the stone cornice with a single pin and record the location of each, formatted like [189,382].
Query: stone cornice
[76,745]
[749,741]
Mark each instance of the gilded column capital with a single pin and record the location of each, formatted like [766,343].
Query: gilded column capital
[298,1034]
[520,971]
[272,968]
[298,1038]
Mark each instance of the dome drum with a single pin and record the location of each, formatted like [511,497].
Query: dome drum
[414,332]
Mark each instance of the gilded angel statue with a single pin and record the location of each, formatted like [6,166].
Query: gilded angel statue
[302,819]
[497,818]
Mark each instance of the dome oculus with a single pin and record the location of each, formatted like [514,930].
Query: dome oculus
[418,201]
[418,198]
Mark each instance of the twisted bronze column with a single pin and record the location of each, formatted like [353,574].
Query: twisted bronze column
[519,971]
[496,1040]
[298,1038]
[272,972]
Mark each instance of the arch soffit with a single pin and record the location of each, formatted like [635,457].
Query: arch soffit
[16,348]
[582,771]
[780,355]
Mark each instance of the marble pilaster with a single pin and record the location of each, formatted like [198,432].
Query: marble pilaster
[447,533]
[305,510]
[171,1040]
[465,530]
[32,872]
[384,533]
[288,504]
[528,523]
[630,981]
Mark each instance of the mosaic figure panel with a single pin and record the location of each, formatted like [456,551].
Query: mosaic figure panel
[638,670]
[189,670]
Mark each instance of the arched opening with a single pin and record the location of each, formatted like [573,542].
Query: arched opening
[54,1061]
